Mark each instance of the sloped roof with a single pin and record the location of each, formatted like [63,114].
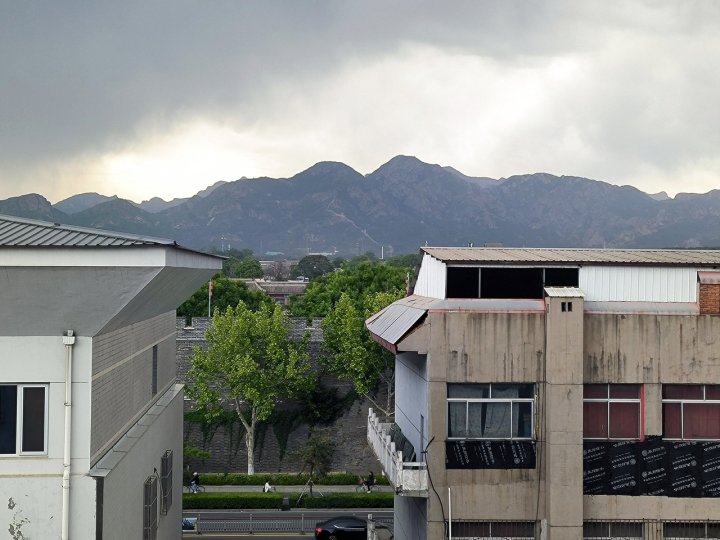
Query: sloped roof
[636,257]
[22,232]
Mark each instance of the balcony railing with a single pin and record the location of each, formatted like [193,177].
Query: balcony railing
[408,478]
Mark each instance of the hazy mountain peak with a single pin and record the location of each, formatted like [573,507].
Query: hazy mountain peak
[80,202]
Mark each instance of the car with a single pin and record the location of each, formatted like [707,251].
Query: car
[341,528]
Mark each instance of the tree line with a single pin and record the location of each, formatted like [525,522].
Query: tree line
[250,363]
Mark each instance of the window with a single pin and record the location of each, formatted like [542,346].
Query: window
[463,282]
[494,529]
[601,530]
[490,411]
[691,411]
[611,411]
[23,419]
[679,529]
[150,510]
[154,377]
[166,472]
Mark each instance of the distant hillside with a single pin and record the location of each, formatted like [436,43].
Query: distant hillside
[83,201]
[402,205]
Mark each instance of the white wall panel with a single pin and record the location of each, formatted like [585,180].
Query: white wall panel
[638,284]
[431,278]
[411,398]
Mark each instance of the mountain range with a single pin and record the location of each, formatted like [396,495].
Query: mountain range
[402,205]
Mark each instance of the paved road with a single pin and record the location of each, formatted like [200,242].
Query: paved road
[272,523]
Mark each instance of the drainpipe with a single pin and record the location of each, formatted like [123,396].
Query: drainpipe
[68,341]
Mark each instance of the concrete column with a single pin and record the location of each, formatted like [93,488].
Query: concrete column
[563,418]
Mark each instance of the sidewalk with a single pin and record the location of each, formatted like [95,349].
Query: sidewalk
[295,489]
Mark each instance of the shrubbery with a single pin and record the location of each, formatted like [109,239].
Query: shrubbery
[283,479]
[246,501]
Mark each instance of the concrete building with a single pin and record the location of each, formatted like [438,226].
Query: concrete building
[90,413]
[555,393]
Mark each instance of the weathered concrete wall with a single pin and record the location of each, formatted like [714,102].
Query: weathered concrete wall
[227,446]
[480,348]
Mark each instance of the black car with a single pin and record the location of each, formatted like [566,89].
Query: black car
[341,528]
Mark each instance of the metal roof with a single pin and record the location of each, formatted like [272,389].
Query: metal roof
[22,232]
[564,292]
[392,323]
[528,256]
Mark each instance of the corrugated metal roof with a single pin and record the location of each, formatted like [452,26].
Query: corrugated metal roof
[22,232]
[564,292]
[393,322]
[680,257]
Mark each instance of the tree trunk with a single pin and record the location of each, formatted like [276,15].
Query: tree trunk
[250,444]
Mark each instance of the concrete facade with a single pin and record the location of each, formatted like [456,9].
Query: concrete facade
[558,342]
[117,294]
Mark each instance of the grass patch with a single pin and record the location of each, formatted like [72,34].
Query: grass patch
[283,479]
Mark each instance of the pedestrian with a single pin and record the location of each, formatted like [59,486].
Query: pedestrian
[268,488]
[195,482]
[370,482]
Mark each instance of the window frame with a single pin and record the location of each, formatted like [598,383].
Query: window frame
[490,399]
[682,402]
[19,413]
[150,508]
[166,481]
[609,400]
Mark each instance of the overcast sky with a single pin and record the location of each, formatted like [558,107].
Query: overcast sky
[163,98]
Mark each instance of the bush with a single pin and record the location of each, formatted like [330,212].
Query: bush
[283,479]
[246,501]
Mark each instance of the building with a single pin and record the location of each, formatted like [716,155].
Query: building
[90,413]
[555,393]
[279,291]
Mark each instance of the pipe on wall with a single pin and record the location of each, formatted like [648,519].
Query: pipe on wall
[68,341]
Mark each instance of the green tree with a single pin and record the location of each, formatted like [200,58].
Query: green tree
[249,365]
[350,354]
[411,260]
[244,268]
[312,266]
[226,293]
[316,455]
[355,280]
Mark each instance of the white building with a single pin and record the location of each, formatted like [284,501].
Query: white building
[94,451]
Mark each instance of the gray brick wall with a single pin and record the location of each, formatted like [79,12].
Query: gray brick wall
[122,369]
[227,448]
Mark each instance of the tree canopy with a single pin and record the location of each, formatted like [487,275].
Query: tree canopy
[312,266]
[355,280]
[250,363]
[226,293]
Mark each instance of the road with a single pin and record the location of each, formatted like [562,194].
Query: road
[270,524]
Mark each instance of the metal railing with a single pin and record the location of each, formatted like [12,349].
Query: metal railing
[492,530]
[408,478]
[651,530]
[250,524]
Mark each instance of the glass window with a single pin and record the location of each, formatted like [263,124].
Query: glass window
[611,411]
[166,485]
[691,411]
[150,514]
[490,411]
[23,419]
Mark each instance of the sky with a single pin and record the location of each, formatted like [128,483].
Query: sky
[163,98]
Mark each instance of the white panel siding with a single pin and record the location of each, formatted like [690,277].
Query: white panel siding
[431,278]
[638,284]
[411,398]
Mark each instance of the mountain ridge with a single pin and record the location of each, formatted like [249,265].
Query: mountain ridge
[401,205]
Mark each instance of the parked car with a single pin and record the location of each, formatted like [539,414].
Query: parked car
[341,528]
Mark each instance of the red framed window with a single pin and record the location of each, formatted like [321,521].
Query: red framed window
[612,411]
[691,411]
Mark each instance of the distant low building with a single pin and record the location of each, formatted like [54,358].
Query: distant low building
[280,291]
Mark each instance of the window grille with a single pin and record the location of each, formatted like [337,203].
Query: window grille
[166,472]
[150,509]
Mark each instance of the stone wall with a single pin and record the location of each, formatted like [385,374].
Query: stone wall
[227,444]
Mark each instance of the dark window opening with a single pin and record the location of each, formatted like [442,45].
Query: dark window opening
[463,282]
[33,418]
[154,370]
[561,277]
[511,283]
[8,419]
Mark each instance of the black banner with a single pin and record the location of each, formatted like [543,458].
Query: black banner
[490,454]
[652,467]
